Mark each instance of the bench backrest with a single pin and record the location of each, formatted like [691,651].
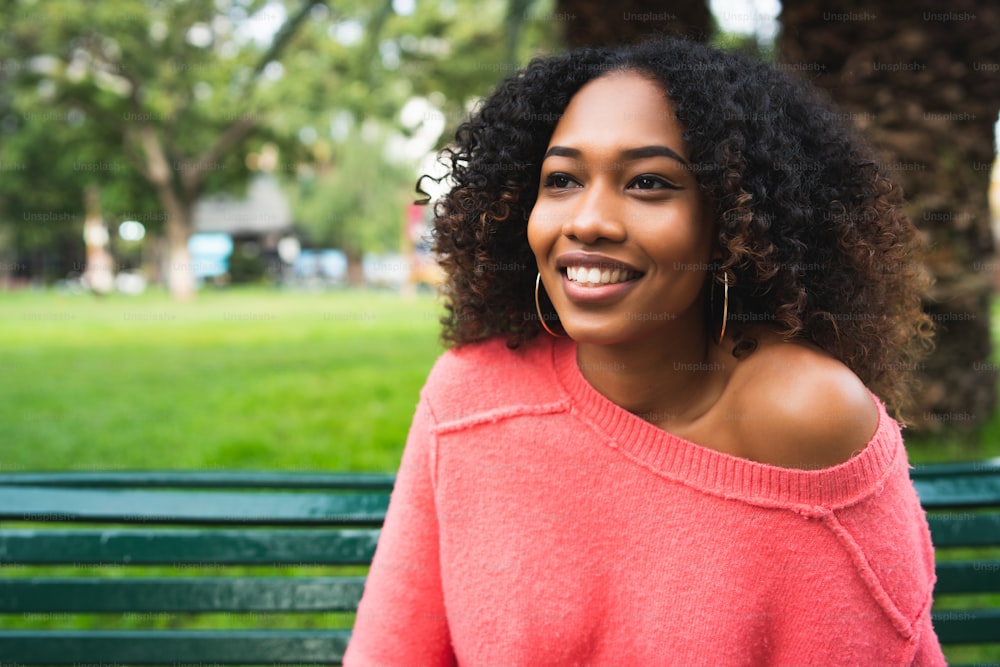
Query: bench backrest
[205,536]
[962,501]
[225,524]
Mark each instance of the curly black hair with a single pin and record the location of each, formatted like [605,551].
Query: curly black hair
[814,239]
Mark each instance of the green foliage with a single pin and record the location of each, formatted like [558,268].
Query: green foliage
[360,66]
[51,148]
[369,61]
[86,77]
[746,43]
[80,84]
[356,201]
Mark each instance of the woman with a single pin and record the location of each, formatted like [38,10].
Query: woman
[675,280]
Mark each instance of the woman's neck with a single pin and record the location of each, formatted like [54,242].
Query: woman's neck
[668,382]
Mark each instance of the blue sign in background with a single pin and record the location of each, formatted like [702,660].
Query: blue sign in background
[210,254]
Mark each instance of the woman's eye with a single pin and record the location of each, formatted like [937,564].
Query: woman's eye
[650,182]
[559,181]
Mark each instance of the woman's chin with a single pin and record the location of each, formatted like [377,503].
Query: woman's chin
[590,333]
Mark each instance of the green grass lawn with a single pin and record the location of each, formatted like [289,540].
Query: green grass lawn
[238,379]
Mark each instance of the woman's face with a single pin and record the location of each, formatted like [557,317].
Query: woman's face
[620,230]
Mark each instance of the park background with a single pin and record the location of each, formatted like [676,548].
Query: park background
[209,257]
[209,252]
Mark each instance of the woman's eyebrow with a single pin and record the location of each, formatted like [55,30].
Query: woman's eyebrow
[626,155]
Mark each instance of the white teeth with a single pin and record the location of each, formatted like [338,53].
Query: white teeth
[595,276]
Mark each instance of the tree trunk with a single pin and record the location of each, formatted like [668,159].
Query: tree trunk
[180,272]
[600,23]
[919,78]
[98,274]
[355,267]
[158,171]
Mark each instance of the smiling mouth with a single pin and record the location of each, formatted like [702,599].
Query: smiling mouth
[592,276]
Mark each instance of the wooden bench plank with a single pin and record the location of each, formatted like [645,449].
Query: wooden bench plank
[973,490]
[202,479]
[188,547]
[193,507]
[956,469]
[170,647]
[981,576]
[973,626]
[177,595]
[965,529]
[952,485]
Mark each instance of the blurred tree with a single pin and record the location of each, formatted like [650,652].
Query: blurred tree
[598,23]
[368,62]
[353,199]
[920,79]
[50,153]
[178,88]
[164,101]
[382,86]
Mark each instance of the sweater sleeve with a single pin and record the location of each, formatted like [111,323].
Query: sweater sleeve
[401,617]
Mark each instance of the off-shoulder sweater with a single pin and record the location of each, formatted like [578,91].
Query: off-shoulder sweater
[534,522]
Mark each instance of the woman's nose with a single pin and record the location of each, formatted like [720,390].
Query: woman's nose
[596,216]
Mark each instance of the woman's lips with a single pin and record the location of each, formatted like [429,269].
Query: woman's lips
[589,277]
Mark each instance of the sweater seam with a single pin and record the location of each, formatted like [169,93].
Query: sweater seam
[913,644]
[495,415]
[432,447]
[904,626]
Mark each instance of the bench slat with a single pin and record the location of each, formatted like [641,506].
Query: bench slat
[202,479]
[169,647]
[965,529]
[348,546]
[956,469]
[970,490]
[131,506]
[975,626]
[967,577]
[180,595]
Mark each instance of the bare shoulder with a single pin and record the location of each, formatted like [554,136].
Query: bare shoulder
[795,406]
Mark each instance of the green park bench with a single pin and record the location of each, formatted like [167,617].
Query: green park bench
[55,522]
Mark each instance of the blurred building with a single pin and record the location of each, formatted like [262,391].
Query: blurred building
[256,224]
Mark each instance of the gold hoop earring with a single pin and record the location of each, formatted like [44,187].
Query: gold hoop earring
[725,305]
[538,307]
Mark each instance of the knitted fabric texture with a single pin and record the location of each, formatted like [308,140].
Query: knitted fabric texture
[534,522]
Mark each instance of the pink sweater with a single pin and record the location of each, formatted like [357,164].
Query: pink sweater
[534,522]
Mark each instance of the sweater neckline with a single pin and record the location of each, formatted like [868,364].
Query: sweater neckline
[715,472]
